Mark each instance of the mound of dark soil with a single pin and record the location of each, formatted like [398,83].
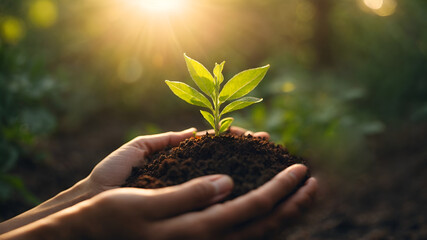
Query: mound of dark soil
[250,161]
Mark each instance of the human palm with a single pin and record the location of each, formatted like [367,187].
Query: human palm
[113,170]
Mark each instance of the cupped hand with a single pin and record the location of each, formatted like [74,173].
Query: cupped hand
[113,170]
[185,211]
[188,211]
[251,216]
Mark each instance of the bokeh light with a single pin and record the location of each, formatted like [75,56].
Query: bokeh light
[288,87]
[374,4]
[12,29]
[129,70]
[43,13]
[387,9]
[91,72]
[382,8]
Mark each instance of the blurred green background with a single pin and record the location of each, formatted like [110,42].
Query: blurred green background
[79,78]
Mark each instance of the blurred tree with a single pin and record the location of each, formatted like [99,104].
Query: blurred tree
[341,70]
[323,33]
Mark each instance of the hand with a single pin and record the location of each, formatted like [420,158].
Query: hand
[110,173]
[250,216]
[174,212]
[113,170]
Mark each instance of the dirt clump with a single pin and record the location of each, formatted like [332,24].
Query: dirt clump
[249,160]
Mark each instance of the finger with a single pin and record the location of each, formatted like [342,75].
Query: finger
[153,143]
[244,132]
[262,200]
[288,210]
[238,130]
[189,196]
[233,130]
[204,132]
[247,207]
[299,202]
[265,135]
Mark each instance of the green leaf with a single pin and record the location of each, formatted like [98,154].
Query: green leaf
[188,94]
[242,83]
[225,124]
[218,72]
[239,104]
[201,76]
[209,117]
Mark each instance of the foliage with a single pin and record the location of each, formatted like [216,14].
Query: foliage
[343,71]
[25,115]
[317,122]
[236,88]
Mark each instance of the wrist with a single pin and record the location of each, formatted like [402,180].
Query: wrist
[81,191]
[90,187]
[84,189]
[65,224]
[46,228]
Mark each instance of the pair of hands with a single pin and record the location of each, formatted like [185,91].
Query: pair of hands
[172,212]
[113,171]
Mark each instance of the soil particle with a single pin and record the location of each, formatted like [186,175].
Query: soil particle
[250,161]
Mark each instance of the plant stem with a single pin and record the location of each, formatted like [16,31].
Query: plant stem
[216,107]
[216,120]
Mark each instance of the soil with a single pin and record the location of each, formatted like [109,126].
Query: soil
[250,161]
[384,200]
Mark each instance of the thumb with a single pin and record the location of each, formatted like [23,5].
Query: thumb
[157,142]
[192,195]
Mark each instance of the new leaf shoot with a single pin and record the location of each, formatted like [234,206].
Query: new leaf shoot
[235,89]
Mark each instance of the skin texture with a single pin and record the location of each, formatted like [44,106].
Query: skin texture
[96,208]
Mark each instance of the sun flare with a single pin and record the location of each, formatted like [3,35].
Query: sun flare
[160,6]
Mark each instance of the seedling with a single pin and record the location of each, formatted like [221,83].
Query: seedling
[236,88]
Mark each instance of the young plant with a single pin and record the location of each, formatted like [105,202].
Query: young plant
[235,89]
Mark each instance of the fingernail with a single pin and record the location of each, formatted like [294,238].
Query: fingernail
[292,174]
[222,184]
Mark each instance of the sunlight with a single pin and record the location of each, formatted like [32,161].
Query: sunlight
[160,6]
[142,34]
